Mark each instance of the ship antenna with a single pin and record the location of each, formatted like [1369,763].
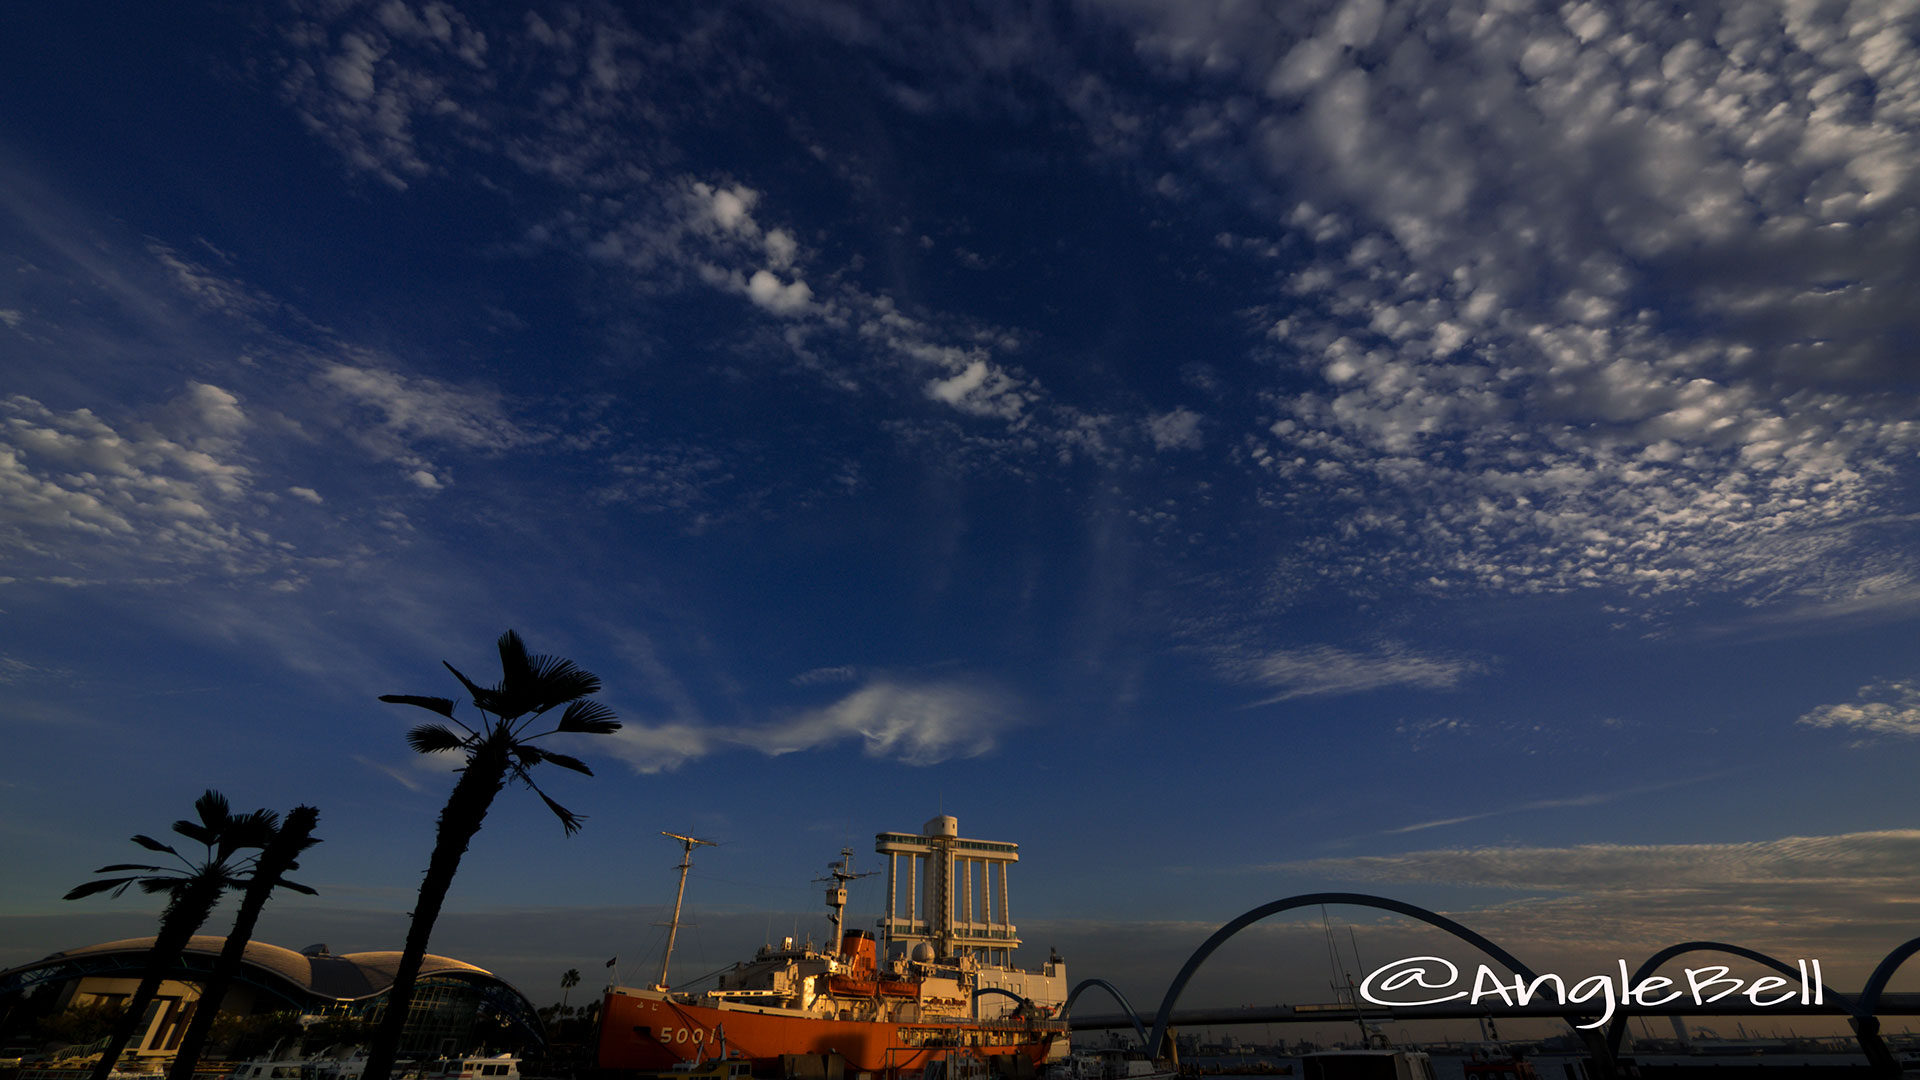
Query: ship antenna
[673,928]
[842,872]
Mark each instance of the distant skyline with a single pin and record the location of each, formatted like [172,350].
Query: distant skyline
[1460,451]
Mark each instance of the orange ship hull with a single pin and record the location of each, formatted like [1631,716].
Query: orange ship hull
[647,1033]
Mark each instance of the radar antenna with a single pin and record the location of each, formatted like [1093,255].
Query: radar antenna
[673,928]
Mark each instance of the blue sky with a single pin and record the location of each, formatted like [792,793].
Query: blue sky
[1459,451]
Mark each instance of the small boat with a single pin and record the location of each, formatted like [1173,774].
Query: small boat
[501,1067]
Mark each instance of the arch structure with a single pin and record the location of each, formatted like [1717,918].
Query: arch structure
[1114,992]
[1025,1002]
[1617,1030]
[1164,1016]
[1877,982]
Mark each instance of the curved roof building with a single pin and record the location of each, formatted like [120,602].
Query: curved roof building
[451,999]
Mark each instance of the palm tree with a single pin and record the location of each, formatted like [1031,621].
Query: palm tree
[498,747]
[567,982]
[192,888]
[294,836]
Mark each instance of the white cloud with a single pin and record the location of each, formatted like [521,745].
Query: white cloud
[397,418]
[920,724]
[1176,430]
[306,493]
[172,489]
[816,676]
[916,723]
[1324,670]
[371,87]
[1514,257]
[792,298]
[1890,707]
[657,747]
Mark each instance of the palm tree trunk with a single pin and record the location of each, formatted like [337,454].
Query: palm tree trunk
[183,916]
[276,859]
[466,809]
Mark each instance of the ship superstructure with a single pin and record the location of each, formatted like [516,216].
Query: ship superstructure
[937,981]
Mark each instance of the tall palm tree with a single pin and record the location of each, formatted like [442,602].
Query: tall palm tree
[294,836]
[498,747]
[192,888]
[568,981]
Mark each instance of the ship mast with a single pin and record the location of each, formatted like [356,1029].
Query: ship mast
[673,928]
[842,872]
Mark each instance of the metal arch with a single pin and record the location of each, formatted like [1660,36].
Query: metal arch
[1125,1006]
[1877,982]
[1161,1019]
[1617,1030]
[980,992]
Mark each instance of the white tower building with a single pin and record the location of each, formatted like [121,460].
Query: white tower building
[952,894]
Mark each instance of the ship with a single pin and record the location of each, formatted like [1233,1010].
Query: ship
[934,994]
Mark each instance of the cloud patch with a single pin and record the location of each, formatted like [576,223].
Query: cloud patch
[169,488]
[1886,708]
[919,724]
[1327,671]
[915,723]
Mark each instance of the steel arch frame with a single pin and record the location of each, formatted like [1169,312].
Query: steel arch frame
[1163,1017]
[1617,1030]
[1113,992]
[1877,982]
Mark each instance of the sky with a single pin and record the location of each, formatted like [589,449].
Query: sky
[1459,451]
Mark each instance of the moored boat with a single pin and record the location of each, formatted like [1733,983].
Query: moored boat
[938,985]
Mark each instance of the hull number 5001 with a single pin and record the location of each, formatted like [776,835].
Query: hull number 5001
[681,1035]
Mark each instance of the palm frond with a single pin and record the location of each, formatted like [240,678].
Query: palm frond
[196,832]
[154,885]
[588,718]
[516,667]
[213,809]
[569,820]
[483,699]
[299,888]
[443,706]
[566,762]
[118,885]
[136,866]
[560,679]
[254,829]
[433,739]
[151,844]
[528,755]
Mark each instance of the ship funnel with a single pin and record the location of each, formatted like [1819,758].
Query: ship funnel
[857,947]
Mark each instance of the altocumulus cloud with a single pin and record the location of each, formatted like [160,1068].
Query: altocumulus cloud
[168,488]
[1882,708]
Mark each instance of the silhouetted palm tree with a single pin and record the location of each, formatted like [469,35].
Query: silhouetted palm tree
[293,836]
[192,888]
[498,747]
[568,981]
